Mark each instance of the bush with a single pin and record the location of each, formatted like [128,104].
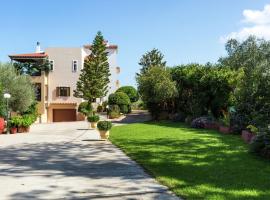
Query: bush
[99,108]
[138,105]
[113,111]
[124,109]
[119,98]
[93,118]
[122,100]
[104,125]
[203,88]
[131,92]
[85,108]
[260,145]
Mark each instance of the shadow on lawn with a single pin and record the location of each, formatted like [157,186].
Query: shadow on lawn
[205,163]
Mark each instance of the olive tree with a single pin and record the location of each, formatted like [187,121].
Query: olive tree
[19,86]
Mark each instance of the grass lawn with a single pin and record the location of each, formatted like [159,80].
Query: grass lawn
[195,164]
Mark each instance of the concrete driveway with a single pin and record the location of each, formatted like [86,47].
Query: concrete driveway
[66,161]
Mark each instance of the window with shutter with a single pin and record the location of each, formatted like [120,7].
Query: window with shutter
[63,91]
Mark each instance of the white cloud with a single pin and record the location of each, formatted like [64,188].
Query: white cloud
[257,22]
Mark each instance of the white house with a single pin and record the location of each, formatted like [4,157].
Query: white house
[55,98]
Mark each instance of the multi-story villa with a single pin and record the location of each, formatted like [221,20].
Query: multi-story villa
[54,90]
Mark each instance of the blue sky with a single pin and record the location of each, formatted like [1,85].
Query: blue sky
[184,30]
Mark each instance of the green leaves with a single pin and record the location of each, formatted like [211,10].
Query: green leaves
[94,78]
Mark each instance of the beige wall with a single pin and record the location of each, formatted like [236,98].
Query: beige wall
[62,74]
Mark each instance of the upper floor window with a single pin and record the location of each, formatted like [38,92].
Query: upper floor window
[117,70]
[63,91]
[74,65]
[38,91]
[52,64]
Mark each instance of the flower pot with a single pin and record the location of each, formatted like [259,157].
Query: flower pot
[104,134]
[224,129]
[247,136]
[26,129]
[20,129]
[93,124]
[13,130]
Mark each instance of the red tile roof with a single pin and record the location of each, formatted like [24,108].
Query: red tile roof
[111,46]
[29,55]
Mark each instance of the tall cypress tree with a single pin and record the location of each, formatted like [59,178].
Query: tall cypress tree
[94,78]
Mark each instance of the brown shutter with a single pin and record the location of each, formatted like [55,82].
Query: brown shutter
[68,91]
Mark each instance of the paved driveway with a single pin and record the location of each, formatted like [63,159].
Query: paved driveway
[65,161]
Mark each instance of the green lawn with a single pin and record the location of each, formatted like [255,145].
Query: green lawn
[196,164]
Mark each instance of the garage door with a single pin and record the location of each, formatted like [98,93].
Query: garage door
[64,115]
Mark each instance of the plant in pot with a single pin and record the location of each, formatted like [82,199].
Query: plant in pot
[104,129]
[25,123]
[224,126]
[93,120]
[14,123]
[248,134]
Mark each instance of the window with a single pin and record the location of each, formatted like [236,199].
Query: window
[52,64]
[63,91]
[74,65]
[38,91]
[117,83]
[117,70]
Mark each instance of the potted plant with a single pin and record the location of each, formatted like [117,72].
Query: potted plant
[2,125]
[224,126]
[13,124]
[93,120]
[104,129]
[248,134]
[25,123]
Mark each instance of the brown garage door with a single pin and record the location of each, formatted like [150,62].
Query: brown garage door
[64,115]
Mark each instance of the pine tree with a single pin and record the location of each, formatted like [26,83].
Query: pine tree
[94,78]
[153,58]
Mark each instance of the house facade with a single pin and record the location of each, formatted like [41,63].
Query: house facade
[54,89]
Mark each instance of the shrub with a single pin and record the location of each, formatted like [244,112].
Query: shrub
[93,118]
[260,145]
[104,125]
[203,88]
[99,108]
[113,111]
[122,100]
[138,105]
[131,92]
[157,90]
[124,109]
[85,108]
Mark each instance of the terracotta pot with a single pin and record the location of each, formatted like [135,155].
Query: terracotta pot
[20,129]
[26,129]
[93,124]
[224,129]
[13,130]
[104,134]
[247,136]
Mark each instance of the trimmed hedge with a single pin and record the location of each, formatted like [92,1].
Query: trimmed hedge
[131,92]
